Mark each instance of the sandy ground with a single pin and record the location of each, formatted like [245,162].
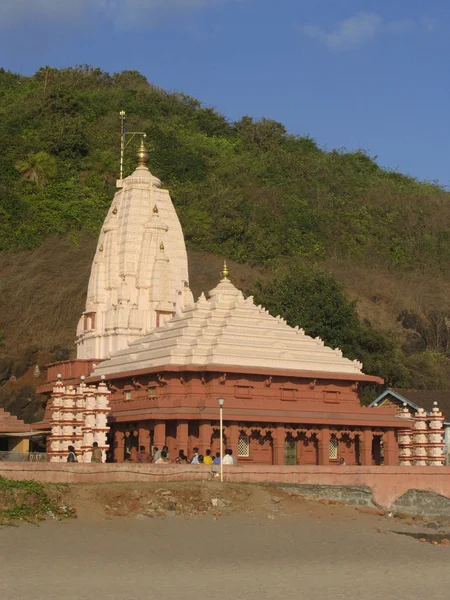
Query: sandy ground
[274,546]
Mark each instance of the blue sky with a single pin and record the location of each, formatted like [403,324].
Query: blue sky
[370,74]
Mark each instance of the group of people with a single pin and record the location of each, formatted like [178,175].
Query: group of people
[96,456]
[160,457]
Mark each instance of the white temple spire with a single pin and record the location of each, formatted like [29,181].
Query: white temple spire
[134,285]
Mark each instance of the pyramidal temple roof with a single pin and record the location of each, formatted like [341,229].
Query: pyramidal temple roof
[228,329]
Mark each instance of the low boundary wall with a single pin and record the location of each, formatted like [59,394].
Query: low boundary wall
[387,483]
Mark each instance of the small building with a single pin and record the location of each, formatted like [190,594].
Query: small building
[397,398]
[16,437]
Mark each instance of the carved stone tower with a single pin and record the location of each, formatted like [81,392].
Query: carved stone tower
[139,276]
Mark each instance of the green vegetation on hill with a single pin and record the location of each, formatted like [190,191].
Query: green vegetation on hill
[247,190]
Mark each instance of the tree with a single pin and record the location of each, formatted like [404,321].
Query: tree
[38,167]
[312,299]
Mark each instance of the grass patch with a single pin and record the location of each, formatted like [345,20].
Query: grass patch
[29,501]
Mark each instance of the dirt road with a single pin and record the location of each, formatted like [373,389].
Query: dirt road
[316,552]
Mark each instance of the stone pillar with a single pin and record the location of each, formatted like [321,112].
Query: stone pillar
[182,437]
[205,433]
[390,449]
[79,400]
[420,438]
[365,447]
[68,421]
[101,410]
[89,423]
[159,434]
[55,443]
[119,445]
[144,436]
[324,446]
[405,441]
[233,437]
[436,444]
[133,440]
[279,439]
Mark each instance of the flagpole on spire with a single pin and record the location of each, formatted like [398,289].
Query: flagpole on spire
[123,135]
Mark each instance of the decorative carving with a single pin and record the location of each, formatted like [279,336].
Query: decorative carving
[268,381]
[161,379]
[223,378]
[312,384]
[138,385]
[355,386]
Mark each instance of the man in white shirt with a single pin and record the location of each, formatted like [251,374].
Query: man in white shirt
[228,457]
[194,460]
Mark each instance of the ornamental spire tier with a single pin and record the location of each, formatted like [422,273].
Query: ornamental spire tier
[139,277]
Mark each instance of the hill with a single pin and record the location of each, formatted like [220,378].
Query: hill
[370,245]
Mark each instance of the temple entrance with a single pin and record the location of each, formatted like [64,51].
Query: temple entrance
[131,445]
[376,450]
[290,451]
[308,449]
[261,448]
[215,442]
[357,450]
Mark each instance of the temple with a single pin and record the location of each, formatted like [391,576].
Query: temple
[167,360]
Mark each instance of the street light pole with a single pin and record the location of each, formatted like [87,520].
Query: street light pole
[221,401]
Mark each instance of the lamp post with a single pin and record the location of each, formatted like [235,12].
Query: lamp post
[221,401]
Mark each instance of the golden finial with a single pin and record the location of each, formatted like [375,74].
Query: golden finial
[155,210]
[161,247]
[225,272]
[142,154]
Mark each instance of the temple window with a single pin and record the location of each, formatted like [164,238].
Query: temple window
[127,395]
[288,394]
[242,391]
[152,392]
[243,446]
[89,321]
[333,449]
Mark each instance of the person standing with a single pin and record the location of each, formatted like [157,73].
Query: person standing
[166,450]
[143,456]
[72,457]
[97,455]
